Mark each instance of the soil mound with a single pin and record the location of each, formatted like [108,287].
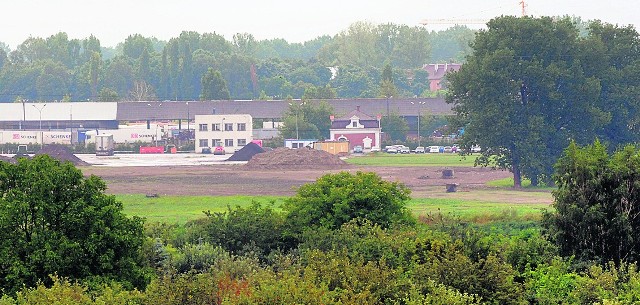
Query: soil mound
[284,158]
[61,153]
[246,153]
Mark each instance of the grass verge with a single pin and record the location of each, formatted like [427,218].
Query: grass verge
[475,210]
[383,159]
[180,209]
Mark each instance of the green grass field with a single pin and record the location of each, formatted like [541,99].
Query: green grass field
[476,210]
[383,159]
[180,209]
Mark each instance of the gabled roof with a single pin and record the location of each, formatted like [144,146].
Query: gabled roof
[357,113]
[438,71]
[366,120]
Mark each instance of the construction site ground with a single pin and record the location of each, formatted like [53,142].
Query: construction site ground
[237,179]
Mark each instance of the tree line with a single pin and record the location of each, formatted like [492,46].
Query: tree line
[197,66]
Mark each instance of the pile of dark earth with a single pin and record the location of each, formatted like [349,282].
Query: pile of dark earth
[246,153]
[61,153]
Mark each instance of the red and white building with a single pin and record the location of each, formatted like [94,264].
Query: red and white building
[357,128]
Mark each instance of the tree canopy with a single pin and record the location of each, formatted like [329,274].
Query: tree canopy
[533,84]
[335,199]
[597,204]
[55,221]
[351,63]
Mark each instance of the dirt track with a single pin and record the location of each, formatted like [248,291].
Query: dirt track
[237,180]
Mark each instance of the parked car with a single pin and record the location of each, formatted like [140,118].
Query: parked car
[392,150]
[206,150]
[219,150]
[405,150]
[441,149]
[475,149]
[419,150]
[434,149]
[375,149]
[448,149]
[357,149]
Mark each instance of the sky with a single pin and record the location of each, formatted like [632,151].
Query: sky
[112,21]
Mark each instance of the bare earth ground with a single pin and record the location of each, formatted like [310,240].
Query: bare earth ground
[425,182]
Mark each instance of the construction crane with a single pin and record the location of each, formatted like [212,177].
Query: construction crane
[523,12]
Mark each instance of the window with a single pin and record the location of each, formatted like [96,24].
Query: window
[202,127]
[216,142]
[355,124]
[204,142]
[242,127]
[215,127]
[228,127]
[242,142]
[228,142]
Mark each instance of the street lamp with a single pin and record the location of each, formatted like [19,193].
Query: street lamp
[419,114]
[297,111]
[40,111]
[188,122]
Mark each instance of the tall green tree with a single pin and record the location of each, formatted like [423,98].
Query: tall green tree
[214,87]
[56,221]
[596,214]
[307,120]
[395,127]
[523,94]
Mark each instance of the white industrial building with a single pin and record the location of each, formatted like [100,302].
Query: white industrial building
[231,131]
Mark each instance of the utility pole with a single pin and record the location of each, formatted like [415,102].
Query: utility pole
[41,133]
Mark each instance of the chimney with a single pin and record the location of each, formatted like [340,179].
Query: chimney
[358,108]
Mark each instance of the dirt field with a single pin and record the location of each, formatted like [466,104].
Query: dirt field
[238,180]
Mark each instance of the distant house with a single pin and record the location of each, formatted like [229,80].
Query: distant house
[357,128]
[437,72]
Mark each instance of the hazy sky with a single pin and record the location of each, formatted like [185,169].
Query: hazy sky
[112,21]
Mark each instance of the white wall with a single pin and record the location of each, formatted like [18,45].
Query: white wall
[209,135]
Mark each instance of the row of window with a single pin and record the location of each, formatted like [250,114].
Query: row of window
[218,142]
[227,127]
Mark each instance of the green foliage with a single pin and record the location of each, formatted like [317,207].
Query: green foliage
[394,126]
[533,84]
[335,199]
[307,120]
[62,223]
[214,87]
[596,204]
[255,229]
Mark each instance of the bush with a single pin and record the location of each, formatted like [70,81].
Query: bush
[335,199]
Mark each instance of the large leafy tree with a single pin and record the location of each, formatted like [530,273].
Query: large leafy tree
[55,221]
[597,204]
[523,94]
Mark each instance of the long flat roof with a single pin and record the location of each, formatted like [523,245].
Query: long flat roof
[173,110]
[80,111]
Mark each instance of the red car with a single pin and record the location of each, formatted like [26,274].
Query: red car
[219,150]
